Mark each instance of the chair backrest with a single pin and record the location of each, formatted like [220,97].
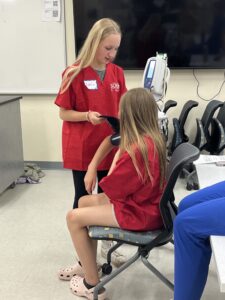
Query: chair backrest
[221,115]
[210,109]
[200,139]
[169,104]
[185,153]
[185,111]
[206,119]
[217,138]
[179,135]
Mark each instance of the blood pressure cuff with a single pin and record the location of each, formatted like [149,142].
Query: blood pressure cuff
[115,139]
[113,122]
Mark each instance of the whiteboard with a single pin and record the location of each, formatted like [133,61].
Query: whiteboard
[32,52]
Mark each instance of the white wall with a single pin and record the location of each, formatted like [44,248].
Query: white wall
[41,126]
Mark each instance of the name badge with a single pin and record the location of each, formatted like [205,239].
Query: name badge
[91,84]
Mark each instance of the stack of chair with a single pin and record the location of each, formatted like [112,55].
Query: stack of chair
[202,141]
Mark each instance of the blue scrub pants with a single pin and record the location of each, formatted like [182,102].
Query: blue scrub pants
[200,215]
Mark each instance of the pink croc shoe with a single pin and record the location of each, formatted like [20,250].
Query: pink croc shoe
[68,272]
[79,289]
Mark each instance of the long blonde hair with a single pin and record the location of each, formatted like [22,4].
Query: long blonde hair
[138,120]
[99,31]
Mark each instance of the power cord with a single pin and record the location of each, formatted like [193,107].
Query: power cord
[198,85]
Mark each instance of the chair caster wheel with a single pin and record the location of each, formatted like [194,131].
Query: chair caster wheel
[106,269]
[196,186]
[189,186]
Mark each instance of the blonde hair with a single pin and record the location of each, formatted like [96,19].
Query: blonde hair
[99,31]
[139,119]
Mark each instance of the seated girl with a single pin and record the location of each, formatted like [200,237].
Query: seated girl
[132,189]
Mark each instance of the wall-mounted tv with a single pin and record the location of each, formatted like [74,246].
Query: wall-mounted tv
[191,32]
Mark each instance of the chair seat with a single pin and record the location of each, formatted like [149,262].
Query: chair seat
[130,237]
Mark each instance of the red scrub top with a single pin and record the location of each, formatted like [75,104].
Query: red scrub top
[80,140]
[136,204]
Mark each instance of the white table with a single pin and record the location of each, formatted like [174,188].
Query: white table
[209,174]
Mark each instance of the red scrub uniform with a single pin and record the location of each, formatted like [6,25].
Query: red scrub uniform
[80,140]
[136,204]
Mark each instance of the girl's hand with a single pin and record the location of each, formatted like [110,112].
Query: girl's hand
[90,179]
[94,117]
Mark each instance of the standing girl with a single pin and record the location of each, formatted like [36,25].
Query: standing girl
[91,87]
[132,189]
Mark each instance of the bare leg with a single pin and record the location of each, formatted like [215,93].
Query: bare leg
[78,220]
[93,200]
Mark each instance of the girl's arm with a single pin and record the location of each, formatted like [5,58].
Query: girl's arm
[100,154]
[115,159]
[77,116]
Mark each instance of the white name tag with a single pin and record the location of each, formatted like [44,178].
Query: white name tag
[91,84]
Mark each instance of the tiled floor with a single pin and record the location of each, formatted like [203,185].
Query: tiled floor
[35,243]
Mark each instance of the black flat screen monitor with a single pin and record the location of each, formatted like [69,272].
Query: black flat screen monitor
[191,32]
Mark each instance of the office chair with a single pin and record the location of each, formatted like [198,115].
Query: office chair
[216,143]
[202,140]
[146,241]
[179,135]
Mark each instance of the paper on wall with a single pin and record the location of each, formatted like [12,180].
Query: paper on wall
[51,11]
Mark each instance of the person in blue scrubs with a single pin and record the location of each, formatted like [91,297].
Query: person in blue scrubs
[200,215]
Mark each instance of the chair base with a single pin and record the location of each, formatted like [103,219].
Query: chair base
[129,262]
[191,178]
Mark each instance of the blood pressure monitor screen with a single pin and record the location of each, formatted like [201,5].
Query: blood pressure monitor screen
[149,74]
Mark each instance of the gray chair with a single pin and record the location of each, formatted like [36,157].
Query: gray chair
[202,140]
[146,241]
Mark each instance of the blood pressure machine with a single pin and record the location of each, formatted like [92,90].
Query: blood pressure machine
[155,78]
